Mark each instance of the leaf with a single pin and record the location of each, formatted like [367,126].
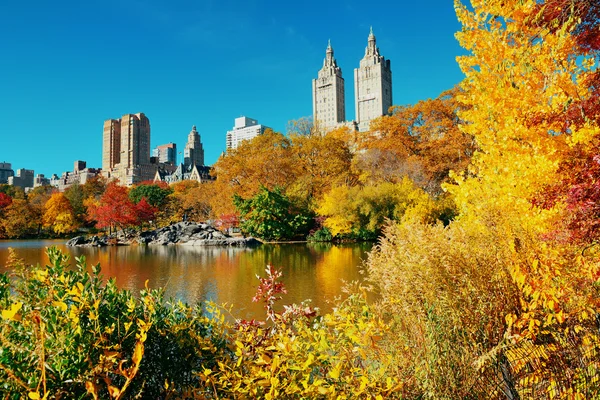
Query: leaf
[33,395]
[11,313]
[138,353]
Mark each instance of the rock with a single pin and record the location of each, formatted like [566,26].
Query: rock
[183,233]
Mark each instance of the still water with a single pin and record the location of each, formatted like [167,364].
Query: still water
[221,274]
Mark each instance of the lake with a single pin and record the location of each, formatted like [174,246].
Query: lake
[315,271]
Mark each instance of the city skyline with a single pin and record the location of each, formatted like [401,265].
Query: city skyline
[195,64]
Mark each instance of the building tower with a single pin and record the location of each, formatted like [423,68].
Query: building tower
[329,107]
[372,85]
[111,144]
[193,153]
[135,140]
[126,149]
[166,153]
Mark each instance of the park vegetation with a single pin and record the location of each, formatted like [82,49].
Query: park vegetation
[485,205]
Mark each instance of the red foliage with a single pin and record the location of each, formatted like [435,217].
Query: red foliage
[227,221]
[115,208]
[144,211]
[579,188]
[5,200]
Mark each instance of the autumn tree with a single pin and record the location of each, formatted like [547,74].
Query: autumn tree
[262,161]
[36,200]
[76,196]
[320,163]
[114,209]
[362,211]
[59,215]
[421,141]
[18,221]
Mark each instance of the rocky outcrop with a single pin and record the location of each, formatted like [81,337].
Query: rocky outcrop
[182,233]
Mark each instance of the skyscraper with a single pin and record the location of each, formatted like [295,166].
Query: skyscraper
[372,85]
[193,153]
[329,108]
[126,149]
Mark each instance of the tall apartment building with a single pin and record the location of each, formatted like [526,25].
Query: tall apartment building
[166,153]
[193,153]
[329,108]
[126,149]
[6,172]
[372,85]
[244,129]
[23,178]
[372,90]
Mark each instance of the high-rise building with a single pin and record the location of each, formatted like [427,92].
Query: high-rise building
[193,153]
[6,172]
[244,129]
[111,144]
[166,153]
[329,108]
[126,149]
[23,178]
[372,85]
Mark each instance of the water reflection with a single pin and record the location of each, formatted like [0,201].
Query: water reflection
[221,274]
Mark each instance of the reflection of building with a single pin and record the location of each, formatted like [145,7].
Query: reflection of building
[184,172]
[329,107]
[166,153]
[5,172]
[193,153]
[372,86]
[245,129]
[23,178]
[126,149]
[80,174]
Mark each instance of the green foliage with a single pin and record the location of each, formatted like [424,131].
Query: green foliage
[154,194]
[321,235]
[271,215]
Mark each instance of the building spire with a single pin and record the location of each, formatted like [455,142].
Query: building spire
[372,46]
[329,59]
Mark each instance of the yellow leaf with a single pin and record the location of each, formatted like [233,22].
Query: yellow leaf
[60,305]
[114,391]
[33,395]
[11,313]
[138,353]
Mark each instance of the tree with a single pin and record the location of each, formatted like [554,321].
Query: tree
[421,141]
[271,215]
[18,221]
[262,161]
[362,211]
[5,201]
[320,162]
[59,214]
[114,209]
[76,196]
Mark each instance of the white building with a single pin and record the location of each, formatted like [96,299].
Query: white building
[372,85]
[245,128]
[329,108]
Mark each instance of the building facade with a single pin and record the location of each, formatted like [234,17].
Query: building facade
[244,129]
[6,172]
[80,175]
[329,108]
[126,149]
[166,153]
[372,85]
[193,153]
[23,178]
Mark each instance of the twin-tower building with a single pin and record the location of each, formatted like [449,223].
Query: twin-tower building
[372,90]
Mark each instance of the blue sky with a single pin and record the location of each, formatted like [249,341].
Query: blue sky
[66,66]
